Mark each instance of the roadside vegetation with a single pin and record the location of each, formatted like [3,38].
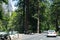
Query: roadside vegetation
[32,16]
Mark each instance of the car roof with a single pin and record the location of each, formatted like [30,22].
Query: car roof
[3,32]
[51,30]
[13,32]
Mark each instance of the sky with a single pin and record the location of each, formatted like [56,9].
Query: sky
[12,4]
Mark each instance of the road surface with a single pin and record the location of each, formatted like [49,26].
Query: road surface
[41,36]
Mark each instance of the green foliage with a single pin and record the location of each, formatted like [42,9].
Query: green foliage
[49,12]
[6,1]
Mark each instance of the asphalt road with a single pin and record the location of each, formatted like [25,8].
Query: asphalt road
[39,37]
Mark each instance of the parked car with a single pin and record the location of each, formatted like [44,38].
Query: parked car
[3,35]
[13,35]
[51,33]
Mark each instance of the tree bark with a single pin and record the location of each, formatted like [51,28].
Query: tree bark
[26,15]
[23,16]
[38,12]
[57,23]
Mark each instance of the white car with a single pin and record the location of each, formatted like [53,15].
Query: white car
[13,35]
[51,33]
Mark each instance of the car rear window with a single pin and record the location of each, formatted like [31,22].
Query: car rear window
[51,31]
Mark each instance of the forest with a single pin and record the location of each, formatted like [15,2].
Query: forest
[31,16]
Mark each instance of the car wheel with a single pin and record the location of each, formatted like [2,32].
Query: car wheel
[54,36]
[2,39]
[8,38]
[47,36]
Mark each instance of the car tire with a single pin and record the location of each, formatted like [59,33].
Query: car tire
[47,36]
[8,38]
[2,38]
[54,36]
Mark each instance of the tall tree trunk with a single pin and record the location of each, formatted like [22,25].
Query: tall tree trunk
[57,23]
[38,11]
[48,25]
[26,15]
